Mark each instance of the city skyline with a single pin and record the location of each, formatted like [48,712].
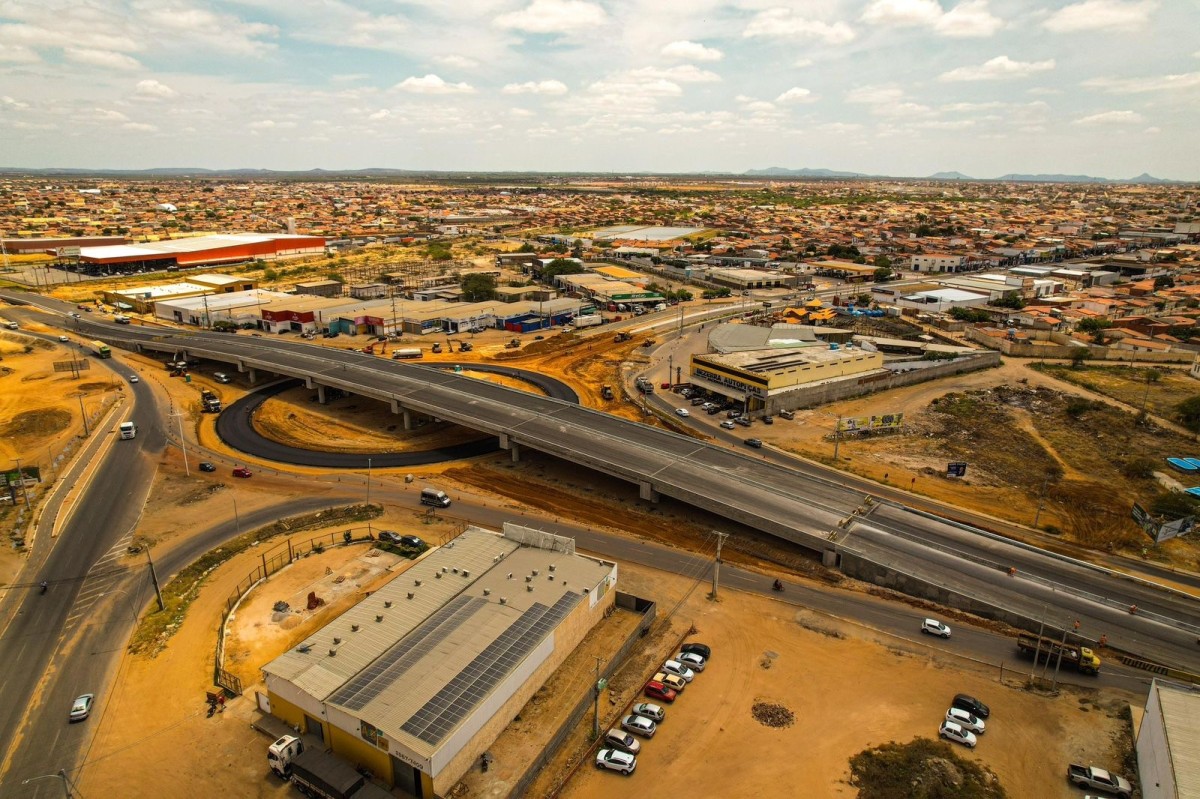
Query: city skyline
[886,87]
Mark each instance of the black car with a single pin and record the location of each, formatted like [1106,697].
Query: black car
[703,650]
[205,466]
[768,420]
[754,442]
[396,539]
[971,705]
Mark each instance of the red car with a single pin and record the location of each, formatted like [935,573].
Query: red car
[242,471]
[656,690]
[666,384]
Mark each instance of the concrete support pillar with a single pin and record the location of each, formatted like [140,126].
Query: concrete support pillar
[321,394]
[831,558]
[253,375]
[395,406]
[504,441]
[646,491]
[408,419]
[309,383]
[515,449]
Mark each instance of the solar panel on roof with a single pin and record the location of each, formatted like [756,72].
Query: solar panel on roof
[402,655]
[469,687]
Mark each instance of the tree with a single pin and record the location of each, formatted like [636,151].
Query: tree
[1188,413]
[527,247]
[478,287]
[882,273]
[883,262]
[1164,282]
[1078,356]
[438,251]
[1010,299]
[1093,324]
[560,266]
[972,315]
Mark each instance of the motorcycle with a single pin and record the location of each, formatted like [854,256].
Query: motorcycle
[45,586]
[777,586]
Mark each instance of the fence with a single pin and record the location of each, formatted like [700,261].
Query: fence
[649,612]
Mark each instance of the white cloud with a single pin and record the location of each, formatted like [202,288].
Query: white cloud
[782,23]
[13,105]
[538,87]
[520,112]
[796,95]
[105,115]
[151,89]
[874,95]
[1152,130]
[1160,83]
[140,127]
[692,51]
[1092,15]
[100,58]
[684,73]
[801,63]
[457,61]
[647,88]
[262,124]
[432,84]
[553,16]
[970,18]
[999,68]
[840,127]
[902,110]
[17,54]
[1110,118]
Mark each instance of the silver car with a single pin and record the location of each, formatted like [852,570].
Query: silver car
[691,660]
[951,731]
[82,707]
[651,711]
[639,725]
[679,670]
[618,739]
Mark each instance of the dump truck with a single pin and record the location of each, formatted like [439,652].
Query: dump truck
[1080,657]
[512,345]
[1098,779]
[622,336]
[606,392]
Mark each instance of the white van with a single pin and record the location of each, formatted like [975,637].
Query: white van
[431,496]
[128,430]
[221,377]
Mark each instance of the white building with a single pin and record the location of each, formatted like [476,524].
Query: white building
[938,262]
[1168,743]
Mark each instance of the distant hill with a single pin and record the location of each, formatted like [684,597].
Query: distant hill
[1142,178]
[949,176]
[780,172]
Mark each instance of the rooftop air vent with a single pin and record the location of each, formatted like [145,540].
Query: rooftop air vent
[353,628]
[550,577]
[455,570]
[551,567]
[535,572]
[528,579]
[378,617]
[387,603]
[487,592]
[337,640]
[529,588]
[503,600]
[437,575]
[332,653]
[466,573]
[510,575]
[411,594]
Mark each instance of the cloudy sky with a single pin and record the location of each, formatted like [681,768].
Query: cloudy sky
[901,87]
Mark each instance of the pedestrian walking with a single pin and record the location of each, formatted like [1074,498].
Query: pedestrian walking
[221,703]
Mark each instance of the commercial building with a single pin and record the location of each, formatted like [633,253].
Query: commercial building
[938,262]
[143,298]
[239,308]
[1168,743]
[199,251]
[418,679]
[746,279]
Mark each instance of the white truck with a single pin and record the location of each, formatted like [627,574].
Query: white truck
[1099,779]
[317,773]
[128,430]
[590,320]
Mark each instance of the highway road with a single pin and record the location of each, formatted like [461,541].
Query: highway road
[815,508]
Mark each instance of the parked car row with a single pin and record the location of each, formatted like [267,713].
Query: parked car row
[964,721]
[620,748]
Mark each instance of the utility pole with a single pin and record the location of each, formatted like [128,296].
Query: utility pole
[1041,500]
[837,437]
[154,580]
[717,564]
[671,369]
[368,481]
[83,414]
[182,443]
[596,689]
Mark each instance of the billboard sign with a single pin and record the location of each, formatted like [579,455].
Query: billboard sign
[67,252]
[888,421]
[956,469]
[1162,531]
[853,424]
[858,424]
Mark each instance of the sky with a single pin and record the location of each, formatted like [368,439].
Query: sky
[897,87]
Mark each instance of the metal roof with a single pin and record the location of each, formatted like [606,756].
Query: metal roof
[1181,721]
[421,654]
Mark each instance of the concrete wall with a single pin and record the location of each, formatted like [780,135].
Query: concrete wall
[566,637]
[874,383]
[1061,348]
[627,602]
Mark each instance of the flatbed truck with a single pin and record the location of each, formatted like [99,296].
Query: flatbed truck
[1080,657]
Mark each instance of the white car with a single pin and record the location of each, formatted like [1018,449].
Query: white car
[679,670]
[63,339]
[728,424]
[691,660]
[935,627]
[953,732]
[966,720]
[639,725]
[616,760]
[651,711]
[81,708]
[682,412]
[133,378]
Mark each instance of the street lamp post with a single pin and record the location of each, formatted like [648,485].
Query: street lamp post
[368,481]
[183,443]
[61,775]
[83,413]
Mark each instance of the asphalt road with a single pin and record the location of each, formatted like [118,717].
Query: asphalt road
[815,507]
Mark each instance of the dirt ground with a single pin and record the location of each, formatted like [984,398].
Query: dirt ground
[40,419]
[850,688]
